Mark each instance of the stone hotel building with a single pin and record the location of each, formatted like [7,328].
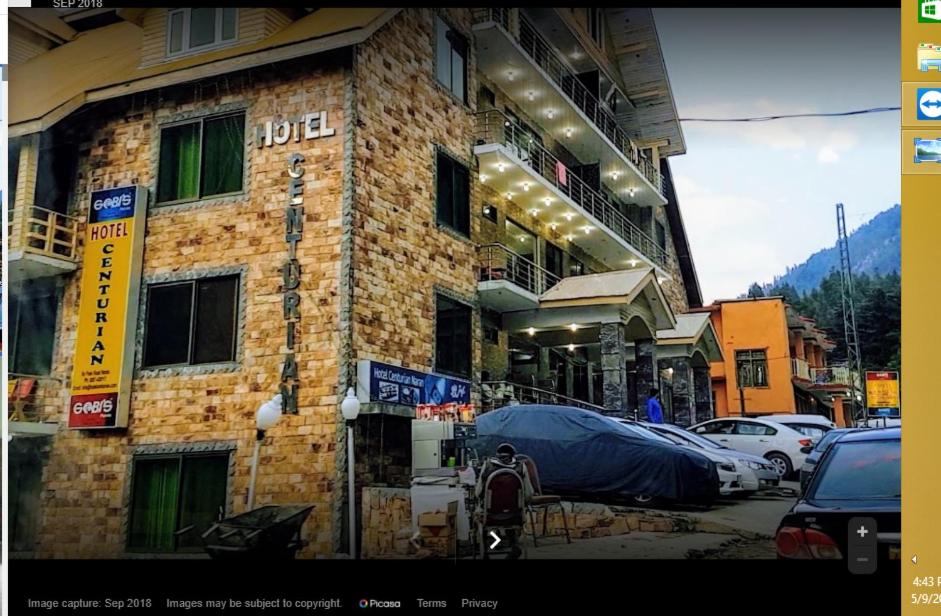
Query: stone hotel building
[213,206]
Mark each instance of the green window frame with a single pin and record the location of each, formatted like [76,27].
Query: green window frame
[751,367]
[201,158]
[170,493]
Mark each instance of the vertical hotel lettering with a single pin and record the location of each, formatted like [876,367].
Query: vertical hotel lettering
[104,348]
[291,279]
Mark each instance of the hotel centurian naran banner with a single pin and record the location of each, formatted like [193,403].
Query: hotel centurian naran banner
[111,274]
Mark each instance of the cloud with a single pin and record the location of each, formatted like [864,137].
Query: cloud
[827,155]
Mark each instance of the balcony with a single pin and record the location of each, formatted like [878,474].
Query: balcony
[512,53]
[837,376]
[42,243]
[34,404]
[497,394]
[800,369]
[508,281]
[512,163]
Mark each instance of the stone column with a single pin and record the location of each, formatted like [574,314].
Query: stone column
[613,367]
[702,386]
[645,353]
[683,412]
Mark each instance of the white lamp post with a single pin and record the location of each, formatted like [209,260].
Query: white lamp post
[266,417]
[350,409]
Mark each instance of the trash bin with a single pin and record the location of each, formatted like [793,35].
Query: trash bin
[269,532]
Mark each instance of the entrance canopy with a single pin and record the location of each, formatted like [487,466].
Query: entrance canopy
[694,336]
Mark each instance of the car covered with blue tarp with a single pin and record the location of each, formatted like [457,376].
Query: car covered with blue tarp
[582,453]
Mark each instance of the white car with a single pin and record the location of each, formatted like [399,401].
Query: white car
[814,426]
[730,476]
[784,447]
[757,473]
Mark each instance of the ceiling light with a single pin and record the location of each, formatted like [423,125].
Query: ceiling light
[532,95]
[522,238]
[569,238]
[573,327]
[587,229]
[547,201]
[501,167]
[531,331]
[615,175]
[631,191]
[568,133]
[572,347]
[569,216]
[509,196]
[534,212]
[550,113]
[510,75]
[526,186]
[483,178]
[632,262]
[554,226]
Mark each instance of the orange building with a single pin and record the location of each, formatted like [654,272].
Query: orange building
[775,361]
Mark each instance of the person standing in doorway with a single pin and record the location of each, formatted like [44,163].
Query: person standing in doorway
[654,410]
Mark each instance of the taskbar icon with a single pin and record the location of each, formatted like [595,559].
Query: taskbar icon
[927,150]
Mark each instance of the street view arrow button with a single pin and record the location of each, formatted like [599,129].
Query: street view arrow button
[496,539]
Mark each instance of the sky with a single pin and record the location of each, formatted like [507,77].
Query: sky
[758,197]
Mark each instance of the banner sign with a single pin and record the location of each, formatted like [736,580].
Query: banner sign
[379,382]
[882,393]
[111,270]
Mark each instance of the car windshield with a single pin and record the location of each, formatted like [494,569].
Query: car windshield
[693,438]
[860,470]
[828,438]
[645,433]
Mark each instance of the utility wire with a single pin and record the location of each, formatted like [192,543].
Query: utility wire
[795,115]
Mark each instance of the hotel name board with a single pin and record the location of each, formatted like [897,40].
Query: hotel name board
[103,360]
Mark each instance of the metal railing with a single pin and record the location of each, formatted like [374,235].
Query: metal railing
[497,394]
[544,55]
[34,399]
[495,127]
[800,369]
[497,262]
[36,230]
[831,375]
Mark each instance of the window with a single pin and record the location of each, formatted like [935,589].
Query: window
[748,428]
[453,194]
[55,172]
[451,59]
[195,29]
[716,427]
[201,159]
[32,323]
[576,267]
[170,493]
[486,98]
[595,27]
[860,471]
[452,337]
[521,241]
[13,169]
[752,368]
[191,322]
[554,259]
[661,235]
[490,212]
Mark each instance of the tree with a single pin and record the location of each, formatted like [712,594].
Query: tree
[755,290]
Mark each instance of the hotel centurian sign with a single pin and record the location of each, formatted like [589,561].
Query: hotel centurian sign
[291,279]
[111,271]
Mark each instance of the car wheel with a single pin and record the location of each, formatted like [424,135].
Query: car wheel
[782,464]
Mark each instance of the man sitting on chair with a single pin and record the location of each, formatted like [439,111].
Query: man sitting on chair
[505,459]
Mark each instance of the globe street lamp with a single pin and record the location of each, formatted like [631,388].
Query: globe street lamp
[266,417]
[350,409]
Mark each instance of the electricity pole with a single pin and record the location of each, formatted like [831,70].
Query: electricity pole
[853,359]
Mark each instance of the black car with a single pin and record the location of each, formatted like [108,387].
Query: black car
[859,475]
[810,462]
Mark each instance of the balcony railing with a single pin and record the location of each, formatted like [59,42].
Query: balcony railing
[43,232]
[544,55]
[495,127]
[831,375]
[800,369]
[497,262]
[497,394]
[34,399]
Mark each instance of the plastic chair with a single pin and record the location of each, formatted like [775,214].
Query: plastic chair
[503,507]
[20,392]
[543,502]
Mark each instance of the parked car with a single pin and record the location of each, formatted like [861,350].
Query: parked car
[817,452]
[814,426]
[757,472]
[859,475]
[730,474]
[582,453]
[784,447]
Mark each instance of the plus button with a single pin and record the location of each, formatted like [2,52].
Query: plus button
[862,532]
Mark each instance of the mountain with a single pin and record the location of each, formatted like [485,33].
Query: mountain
[875,248]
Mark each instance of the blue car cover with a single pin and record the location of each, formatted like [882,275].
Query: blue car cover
[585,453]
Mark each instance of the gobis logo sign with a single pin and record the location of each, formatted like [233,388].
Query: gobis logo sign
[94,407]
[109,203]
[93,410]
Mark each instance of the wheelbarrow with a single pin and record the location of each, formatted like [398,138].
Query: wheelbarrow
[269,532]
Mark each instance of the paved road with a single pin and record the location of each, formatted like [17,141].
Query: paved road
[758,515]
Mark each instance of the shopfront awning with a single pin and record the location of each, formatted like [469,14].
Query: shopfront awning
[823,397]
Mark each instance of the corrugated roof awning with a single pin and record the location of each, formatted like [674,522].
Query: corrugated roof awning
[105,63]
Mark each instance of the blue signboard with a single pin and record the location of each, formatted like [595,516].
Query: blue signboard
[112,204]
[396,385]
